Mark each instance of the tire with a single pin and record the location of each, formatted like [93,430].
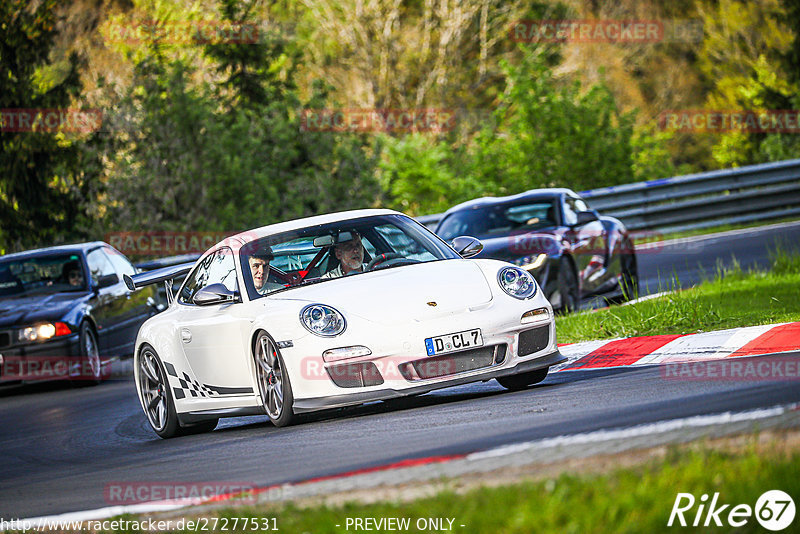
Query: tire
[89,372]
[523,380]
[156,396]
[274,387]
[567,284]
[629,274]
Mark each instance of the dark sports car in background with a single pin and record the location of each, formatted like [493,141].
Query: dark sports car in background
[65,309]
[571,250]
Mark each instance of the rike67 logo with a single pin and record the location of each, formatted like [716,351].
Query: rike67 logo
[774,510]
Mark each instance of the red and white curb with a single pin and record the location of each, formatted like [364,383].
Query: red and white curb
[706,346]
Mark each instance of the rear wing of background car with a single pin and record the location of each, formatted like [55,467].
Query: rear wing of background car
[165,274]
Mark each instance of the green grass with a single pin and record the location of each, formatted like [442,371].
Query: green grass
[633,499]
[733,298]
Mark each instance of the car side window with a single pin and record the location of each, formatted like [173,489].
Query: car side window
[216,268]
[570,215]
[119,262]
[99,264]
[580,205]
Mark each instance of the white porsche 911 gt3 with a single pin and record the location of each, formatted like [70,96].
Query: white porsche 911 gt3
[331,311]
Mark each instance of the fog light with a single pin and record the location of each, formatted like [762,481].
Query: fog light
[534,315]
[345,353]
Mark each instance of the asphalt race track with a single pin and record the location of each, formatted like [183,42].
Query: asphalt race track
[61,447]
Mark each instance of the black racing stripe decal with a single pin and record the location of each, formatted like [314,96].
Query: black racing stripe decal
[170,369]
[178,393]
[228,391]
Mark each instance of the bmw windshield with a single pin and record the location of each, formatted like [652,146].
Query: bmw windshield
[499,220]
[41,274]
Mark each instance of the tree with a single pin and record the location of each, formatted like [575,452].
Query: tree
[229,153]
[47,175]
[553,133]
[745,53]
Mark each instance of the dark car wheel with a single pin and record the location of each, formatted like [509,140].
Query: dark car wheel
[567,287]
[156,397]
[87,371]
[629,276]
[523,380]
[274,387]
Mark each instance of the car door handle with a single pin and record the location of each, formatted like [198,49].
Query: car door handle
[186,336]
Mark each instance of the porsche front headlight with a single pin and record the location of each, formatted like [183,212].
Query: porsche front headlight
[322,320]
[517,282]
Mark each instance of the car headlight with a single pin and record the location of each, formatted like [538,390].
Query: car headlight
[517,282]
[531,263]
[322,320]
[42,332]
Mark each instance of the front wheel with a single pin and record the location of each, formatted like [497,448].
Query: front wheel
[567,287]
[273,382]
[629,276]
[156,398]
[523,380]
[87,370]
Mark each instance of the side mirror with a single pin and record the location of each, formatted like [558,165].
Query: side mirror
[585,217]
[107,280]
[467,246]
[214,294]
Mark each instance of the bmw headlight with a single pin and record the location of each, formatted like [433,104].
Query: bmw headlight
[322,320]
[517,282]
[43,332]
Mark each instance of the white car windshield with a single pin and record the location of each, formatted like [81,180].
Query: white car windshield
[345,248]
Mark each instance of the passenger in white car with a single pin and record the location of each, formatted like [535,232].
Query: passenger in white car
[351,257]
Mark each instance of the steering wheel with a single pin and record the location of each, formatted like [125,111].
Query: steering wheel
[380,258]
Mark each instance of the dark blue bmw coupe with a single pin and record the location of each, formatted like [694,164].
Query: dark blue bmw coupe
[65,310]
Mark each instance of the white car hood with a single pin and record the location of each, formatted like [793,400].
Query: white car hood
[402,294]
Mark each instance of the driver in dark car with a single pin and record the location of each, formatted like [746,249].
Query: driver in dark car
[71,273]
[351,257]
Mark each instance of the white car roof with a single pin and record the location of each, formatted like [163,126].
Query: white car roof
[286,226]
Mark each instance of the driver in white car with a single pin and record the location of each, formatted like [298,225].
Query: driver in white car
[351,257]
[259,268]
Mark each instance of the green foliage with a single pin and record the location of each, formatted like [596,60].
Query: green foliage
[544,133]
[553,134]
[651,157]
[45,176]
[420,175]
[748,53]
[231,155]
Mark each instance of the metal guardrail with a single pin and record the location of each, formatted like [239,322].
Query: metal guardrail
[754,193]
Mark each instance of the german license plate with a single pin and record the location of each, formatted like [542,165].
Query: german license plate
[452,342]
